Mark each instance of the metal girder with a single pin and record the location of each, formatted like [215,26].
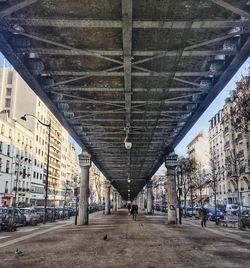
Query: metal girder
[87,111]
[139,53]
[8,11]
[232,8]
[107,89]
[147,73]
[133,102]
[94,23]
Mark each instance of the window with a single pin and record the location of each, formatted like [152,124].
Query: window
[8,91]
[2,129]
[34,174]
[6,187]
[41,176]
[7,166]
[10,77]
[1,146]
[1,164]
[7,103]
[8,150]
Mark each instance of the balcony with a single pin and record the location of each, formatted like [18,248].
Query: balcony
[242,170]
[225,130]
[240,154]
[239,137]
[226,144]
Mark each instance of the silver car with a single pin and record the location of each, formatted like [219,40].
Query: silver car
[31,216]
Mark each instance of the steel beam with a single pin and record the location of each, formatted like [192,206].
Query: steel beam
[108,89]
[139,53]
[232,8]
[150,24]
[146,73]
[8,11]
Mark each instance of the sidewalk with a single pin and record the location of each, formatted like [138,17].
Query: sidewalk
[148,242]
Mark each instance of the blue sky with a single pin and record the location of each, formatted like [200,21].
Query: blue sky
[203,122]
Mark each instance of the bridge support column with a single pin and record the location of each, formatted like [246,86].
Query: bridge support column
[115,202]
[138,201]
[149,197]
[171,163]
[107,198]
[143,200]
[85,163]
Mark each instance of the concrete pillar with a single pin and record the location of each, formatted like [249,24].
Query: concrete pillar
[107,198]
[115,201]
[139,201]
[149,197]
[85,163]
[170,163]
[119,201]
[143,200]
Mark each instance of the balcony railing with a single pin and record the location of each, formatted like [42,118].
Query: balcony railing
[226,144]
[242,170]
[225,130]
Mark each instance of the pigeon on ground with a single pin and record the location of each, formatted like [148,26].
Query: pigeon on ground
[18,252]
[105,237]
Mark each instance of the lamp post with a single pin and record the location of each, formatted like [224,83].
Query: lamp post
[47,164]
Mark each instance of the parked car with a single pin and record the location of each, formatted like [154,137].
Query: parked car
[190,211]
[232,208]
[211,214]
[6,215]
[40,212]
[245,218]
[32,217]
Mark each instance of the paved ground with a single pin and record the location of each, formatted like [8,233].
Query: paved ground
[148,242]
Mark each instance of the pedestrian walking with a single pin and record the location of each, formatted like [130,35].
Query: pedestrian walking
[134,211]
[129,208]
[103,205]
[203,216]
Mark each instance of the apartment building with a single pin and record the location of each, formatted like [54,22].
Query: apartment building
[198,150]
[17,99]
[16,155]
[217,146]
[237,159]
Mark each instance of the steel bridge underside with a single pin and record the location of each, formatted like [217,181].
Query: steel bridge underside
[108,68]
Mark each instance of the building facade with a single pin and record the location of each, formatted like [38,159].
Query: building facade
[16,157]
[199,152]
[217,150]
[17,99]
[237,159]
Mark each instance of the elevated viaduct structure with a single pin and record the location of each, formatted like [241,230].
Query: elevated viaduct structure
[140,72]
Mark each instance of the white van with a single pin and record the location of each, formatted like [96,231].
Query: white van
[232,208]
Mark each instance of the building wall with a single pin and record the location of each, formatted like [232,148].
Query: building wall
[237,159]
[217,146]
[16,155]
[24,101]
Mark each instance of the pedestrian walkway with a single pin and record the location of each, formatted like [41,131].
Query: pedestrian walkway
[148,242]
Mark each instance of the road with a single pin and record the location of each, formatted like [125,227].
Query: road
[148,242]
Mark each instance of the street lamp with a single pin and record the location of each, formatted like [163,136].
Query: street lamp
[47,164]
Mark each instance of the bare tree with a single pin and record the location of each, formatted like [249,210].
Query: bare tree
[186,168]
[240,110]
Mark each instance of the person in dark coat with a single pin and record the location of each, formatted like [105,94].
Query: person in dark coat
[134,211]
[203,216]
[129,208]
